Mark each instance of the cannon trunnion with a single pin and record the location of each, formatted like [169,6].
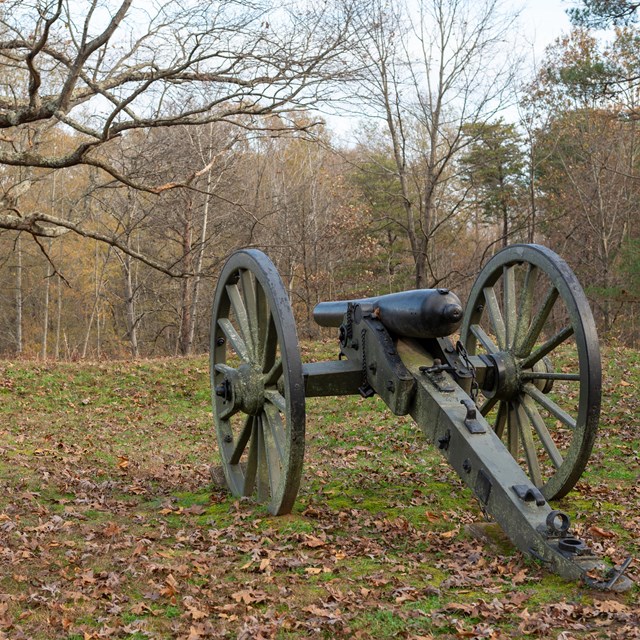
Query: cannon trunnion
[513,406]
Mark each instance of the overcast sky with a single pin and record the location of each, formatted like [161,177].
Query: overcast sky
[542,22]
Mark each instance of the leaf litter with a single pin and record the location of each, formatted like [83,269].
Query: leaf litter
[111,526]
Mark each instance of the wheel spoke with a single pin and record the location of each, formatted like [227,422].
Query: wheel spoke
[495,316]
[225,369]
[531,337]
[525,307]
[544,375]
[240,311]
[529,447]
[550,405]
[487,405]
[273,375]
[501,419]
[269,346]
[267,337]
[509,304]
[243,439]
[273,456]
[277,428]
[252,462]
[249,297]
[484,339]
[543,433]
[547,347]
[262,476]
[276,399]
[234,338]
[512,431]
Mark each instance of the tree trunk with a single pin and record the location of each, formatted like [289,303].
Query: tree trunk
[58,307]
[45,314]
[129,304]
[58,317]
[19,297]
[199,261]
[186,287]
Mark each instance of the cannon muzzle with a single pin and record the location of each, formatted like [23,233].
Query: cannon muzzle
[419,313]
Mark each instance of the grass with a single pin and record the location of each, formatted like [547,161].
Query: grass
[112,526]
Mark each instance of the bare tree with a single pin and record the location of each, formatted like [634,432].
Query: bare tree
[429,72]
[97,70]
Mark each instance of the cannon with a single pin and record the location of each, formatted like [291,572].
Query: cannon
[513,405]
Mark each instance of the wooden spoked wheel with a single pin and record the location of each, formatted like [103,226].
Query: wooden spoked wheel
[256,380]
[528,315]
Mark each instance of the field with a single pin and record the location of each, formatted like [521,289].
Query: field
[113,526]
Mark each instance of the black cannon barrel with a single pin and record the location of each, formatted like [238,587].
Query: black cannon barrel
[418,313]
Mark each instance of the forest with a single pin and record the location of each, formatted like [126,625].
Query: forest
[142,143]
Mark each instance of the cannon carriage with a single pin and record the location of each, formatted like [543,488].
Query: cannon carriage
[513,405]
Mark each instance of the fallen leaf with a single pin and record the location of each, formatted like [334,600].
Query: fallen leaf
[264,564]
[249,596]
[611,606]
[313,542]
[112,529]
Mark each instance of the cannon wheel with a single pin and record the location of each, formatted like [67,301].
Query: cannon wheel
[256,381]
[528,313]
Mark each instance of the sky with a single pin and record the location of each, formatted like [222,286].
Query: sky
[542,21]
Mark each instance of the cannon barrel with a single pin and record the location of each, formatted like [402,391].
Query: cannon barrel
[419,313]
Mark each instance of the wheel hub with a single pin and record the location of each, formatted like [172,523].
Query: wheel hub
[244,388]
[506,378]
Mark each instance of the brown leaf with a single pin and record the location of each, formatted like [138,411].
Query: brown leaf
[196,510]
[249,596]
[171,586]
[611,606]
[196,613]
[196,632]
[519,578]
[322,613]
[112,529]
[140,608]
[313,542]
[461,607]
[264,564]
[601,533]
